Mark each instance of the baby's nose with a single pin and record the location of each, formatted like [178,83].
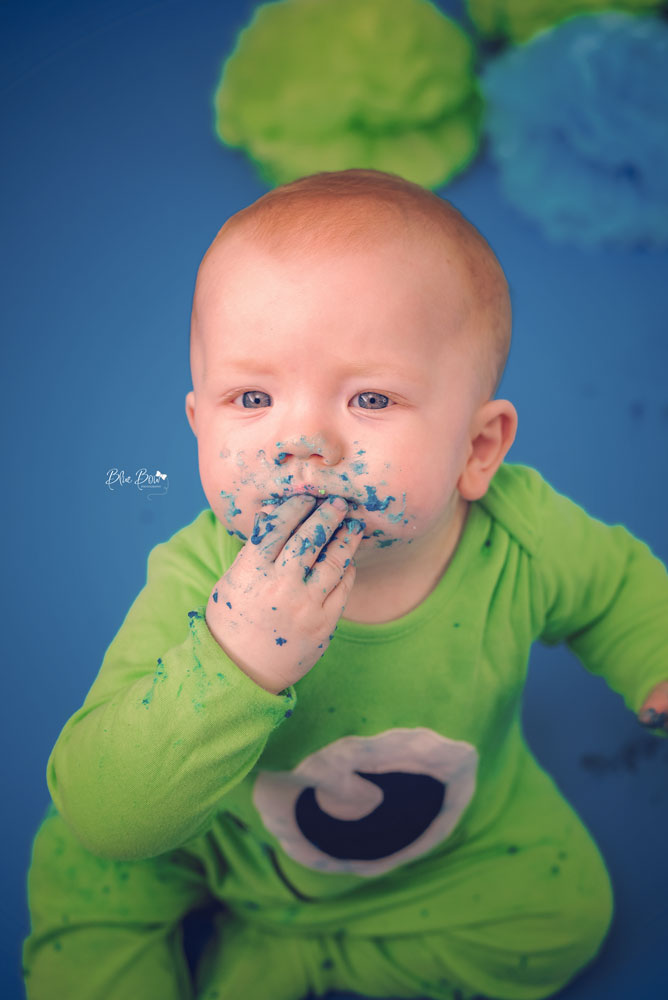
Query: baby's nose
[305,448]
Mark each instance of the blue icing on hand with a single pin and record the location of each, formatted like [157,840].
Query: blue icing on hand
[215,597]
[278,498]
[359,468]
[281,641]
[262,521]
[319,537]
[306,544]
[355,524]
[372,501]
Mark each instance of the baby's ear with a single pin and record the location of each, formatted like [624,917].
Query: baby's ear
[190,410]
[493,431]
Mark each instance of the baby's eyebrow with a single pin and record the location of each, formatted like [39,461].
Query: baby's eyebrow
[249,365]
[372,369]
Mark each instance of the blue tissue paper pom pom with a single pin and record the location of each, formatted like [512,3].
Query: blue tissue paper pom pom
[577,121]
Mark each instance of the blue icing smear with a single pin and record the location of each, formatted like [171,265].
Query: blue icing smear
[359,468]
[277,498]
[395,518]
[355,524]
[262,521]
[281,641]
[372,501]
[306,544]
[239,534]
[280,458]
[232,510]
[319,537]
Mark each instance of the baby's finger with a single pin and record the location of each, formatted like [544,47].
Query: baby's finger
[273,527]
[303,547]
[337,598]
[337,555]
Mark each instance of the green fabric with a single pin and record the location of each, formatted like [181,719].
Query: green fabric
[178,758]
[333,84]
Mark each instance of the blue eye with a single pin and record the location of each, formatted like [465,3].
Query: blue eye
[372,400]
[255,400]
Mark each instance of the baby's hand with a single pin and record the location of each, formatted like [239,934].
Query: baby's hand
[654,712]
[275,609]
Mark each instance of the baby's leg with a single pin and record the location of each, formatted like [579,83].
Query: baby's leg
[522,909]
[105,929]
[246,960]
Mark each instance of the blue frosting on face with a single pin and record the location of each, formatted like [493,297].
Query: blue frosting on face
[232,509]
[239,534]
[372,501]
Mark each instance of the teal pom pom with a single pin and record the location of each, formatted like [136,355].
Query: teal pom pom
[577,125]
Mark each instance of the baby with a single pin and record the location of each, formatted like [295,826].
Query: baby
[311,713]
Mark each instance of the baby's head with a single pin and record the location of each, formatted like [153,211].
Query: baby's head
[349,331]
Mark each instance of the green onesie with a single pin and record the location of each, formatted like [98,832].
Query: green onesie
[381,827]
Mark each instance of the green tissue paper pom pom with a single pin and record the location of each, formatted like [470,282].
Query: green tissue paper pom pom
[519,20]
[331,84]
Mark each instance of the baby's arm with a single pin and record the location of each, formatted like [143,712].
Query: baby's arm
[606,595]
[172,723]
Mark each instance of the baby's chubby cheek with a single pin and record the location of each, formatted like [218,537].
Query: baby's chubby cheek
[229,484]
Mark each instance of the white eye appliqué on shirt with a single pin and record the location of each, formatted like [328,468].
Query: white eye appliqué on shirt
[364,805]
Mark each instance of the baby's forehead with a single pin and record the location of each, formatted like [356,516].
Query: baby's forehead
[342,264]
[315,236]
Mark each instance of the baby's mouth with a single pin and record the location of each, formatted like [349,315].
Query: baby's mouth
[318,494]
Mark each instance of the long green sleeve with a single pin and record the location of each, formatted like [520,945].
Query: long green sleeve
[594,586]
[170,724]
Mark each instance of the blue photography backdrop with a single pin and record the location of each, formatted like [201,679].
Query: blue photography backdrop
[113,186]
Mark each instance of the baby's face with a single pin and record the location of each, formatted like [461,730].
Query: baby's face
[337,373]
